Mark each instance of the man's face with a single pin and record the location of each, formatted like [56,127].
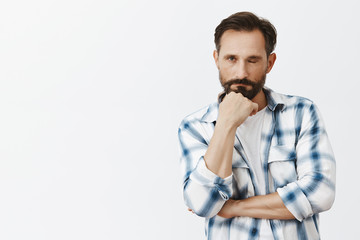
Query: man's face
[242,62]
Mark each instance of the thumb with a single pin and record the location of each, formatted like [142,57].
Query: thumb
[255,109]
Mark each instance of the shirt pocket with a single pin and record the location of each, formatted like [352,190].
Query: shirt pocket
[282,165]
[242,184]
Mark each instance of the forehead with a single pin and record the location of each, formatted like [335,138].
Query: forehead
[242,42]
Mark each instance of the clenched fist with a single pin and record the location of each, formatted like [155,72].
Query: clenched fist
[235,109]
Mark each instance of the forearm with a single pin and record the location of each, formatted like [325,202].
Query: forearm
[205,189]
[233,111]
[266,207]
[212,174]
[218,157]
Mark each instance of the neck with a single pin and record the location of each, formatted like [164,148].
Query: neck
[260,99]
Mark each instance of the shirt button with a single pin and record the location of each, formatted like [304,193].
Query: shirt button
[253,231]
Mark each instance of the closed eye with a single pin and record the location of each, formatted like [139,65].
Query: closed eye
[254,59]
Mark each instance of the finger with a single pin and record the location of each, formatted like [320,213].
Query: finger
[221,96]
[255,109]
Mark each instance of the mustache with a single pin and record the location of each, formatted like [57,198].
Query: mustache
[244,81]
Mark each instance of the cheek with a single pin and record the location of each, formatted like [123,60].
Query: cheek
[224,76]
[265,67]
[227,70]
[258,70]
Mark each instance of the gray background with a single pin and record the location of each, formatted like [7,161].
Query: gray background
[92,93]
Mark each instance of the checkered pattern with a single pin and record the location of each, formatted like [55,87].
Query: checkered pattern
[298,164]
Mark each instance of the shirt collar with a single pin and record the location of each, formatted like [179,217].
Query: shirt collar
[274,101]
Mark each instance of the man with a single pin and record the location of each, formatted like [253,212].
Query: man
[256,164]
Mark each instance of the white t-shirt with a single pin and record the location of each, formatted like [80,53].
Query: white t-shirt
[249,134]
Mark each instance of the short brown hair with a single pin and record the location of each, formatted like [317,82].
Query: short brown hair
[247,21]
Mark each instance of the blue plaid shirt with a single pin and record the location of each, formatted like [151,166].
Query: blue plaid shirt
[298,164]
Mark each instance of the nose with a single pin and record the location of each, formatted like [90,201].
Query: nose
[241,70]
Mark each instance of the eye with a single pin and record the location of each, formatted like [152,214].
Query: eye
[253,59]
[231,58]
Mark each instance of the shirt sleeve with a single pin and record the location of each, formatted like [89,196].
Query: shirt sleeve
[314,190]
[204,192]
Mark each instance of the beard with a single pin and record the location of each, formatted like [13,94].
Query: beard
[256,86]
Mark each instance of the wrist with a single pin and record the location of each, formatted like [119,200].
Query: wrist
[237,206]
[226,125]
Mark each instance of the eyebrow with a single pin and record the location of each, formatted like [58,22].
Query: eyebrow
[229,55]
[254,57]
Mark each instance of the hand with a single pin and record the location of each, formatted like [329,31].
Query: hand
[228,210]
[235,109]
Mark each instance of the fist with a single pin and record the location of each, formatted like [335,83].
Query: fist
[235,109]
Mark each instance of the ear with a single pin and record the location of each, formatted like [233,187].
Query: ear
[216,58]
[271,62]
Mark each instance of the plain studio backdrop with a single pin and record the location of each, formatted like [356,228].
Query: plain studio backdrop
[92,94]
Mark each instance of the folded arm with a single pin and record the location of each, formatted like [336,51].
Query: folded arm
[314,189]
[267,207]
[204,191]
[207,163]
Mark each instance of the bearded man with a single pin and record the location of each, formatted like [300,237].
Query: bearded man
[256,164]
